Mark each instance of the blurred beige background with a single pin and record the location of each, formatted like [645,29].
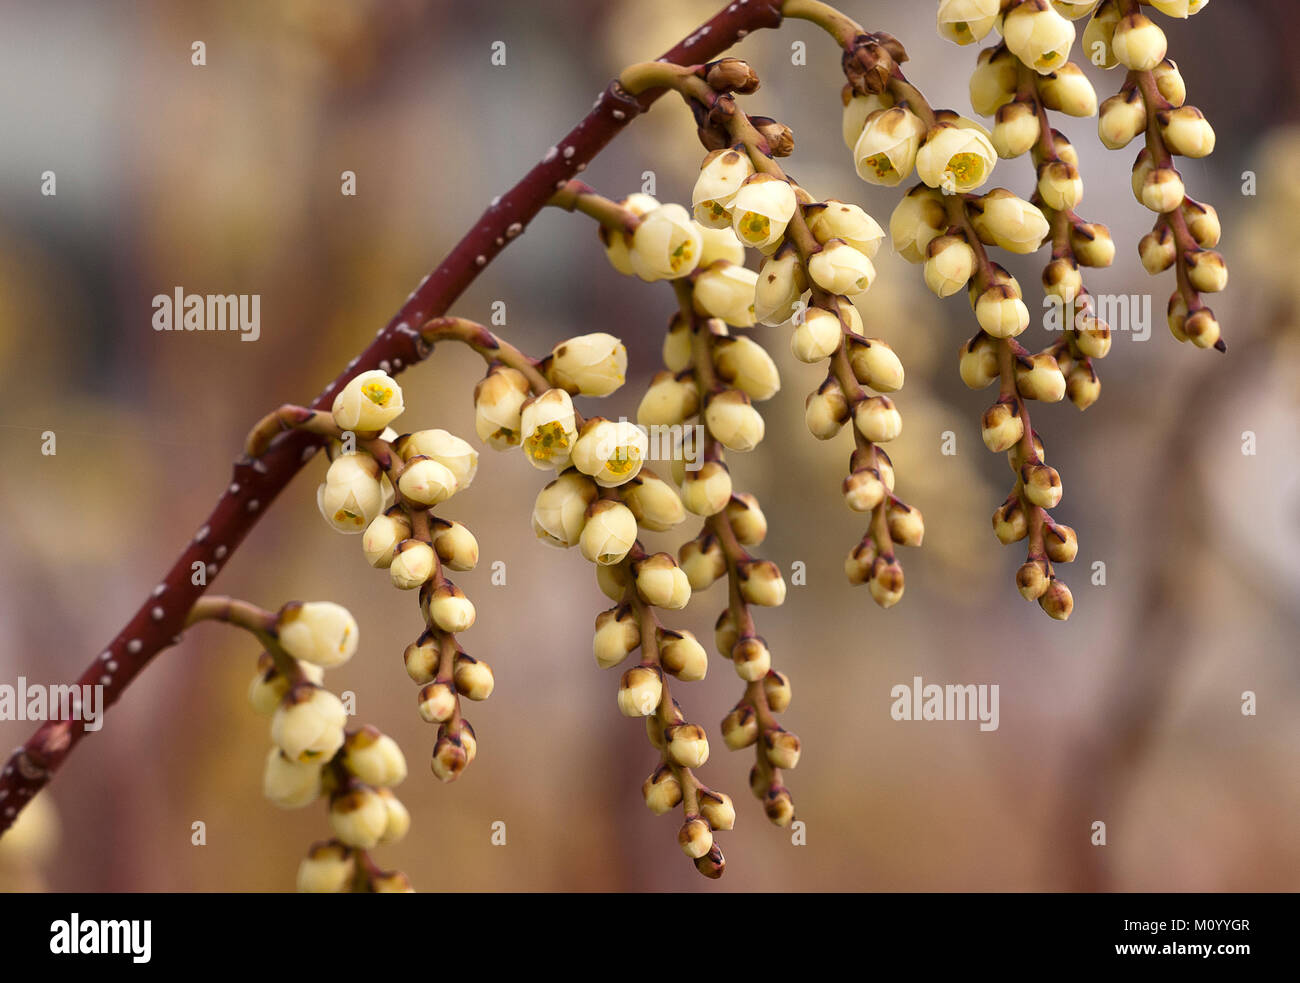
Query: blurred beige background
[225,179]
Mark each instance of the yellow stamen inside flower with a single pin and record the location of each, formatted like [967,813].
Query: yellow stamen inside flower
[754,227]
[623,461]
[683,254]
[547,441]
[343,515]
[1048,60]
[377,393]
[966,168]
[716,210]
[506,434]
[881,164]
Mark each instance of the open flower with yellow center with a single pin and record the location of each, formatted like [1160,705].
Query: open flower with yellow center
[368,403]
[956,157]
[761,210]
[886,150]
[721,175]
[967,21]
[1038,35]
[610,452]
[589,365]
[498,399]
[351,495]
[560,512]
[726,291]
[666,245]
[549,427]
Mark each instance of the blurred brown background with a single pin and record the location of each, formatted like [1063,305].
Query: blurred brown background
[225,179]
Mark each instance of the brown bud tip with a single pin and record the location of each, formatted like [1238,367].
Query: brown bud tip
[731,75]
[779,137]
[712,864]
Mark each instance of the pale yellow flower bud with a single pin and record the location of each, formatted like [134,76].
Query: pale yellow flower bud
[826,410]
[695,838]
[374,757]
[725,635]
[320,632]
[668,401]
[761,583]
[751,658]
[967,21]
[776,687]
[359,818]
[1062,279]
[716,244]
[549,428]
[743,363]
[1011,223]
[661,791]
[427,482]
[352,494]
[308,724]
[726,291]
[589,365]
[1082,385]
[706,492]
[1039,377]
[617,636]
[421,659]
[1001,312]
[1202,223]
[856,110]
[877,419]
[456,455]
[681,654]
[875,364]
[957,157]
[979,361]
[906,526]
[382,536]
[740,728]
[1201,328]
[838,268]
[994,81]
[609,532]
[498,399]
[733,420]
[886,150]
[1169,82]
[1158,250]
[473,677]
[559,513]
[1161,190]
[610,451]
[886,582]
[781,748]
[1121,119]
[1002,427]
[437,702]
[1042,485]
[1038,35]
[1061,542]
[834,219]
[1099,34]
[661,583]
[747,520]
[1092,244]
[328,869]
[639,691]
[688,745]
[398,825]
[666,245]
[761,210]
[1207,271]
[455,545]
[817,336]
[413,564]
[1138,43]
[703,561]
[290,784]
[1067,90]
[1060,185]
[450,609]
[1057,601]
[677,349]
[1187,132]
[949,265]
[919,218]
[452,753]
[1179,8]
[653,501]
[368,403]
[1016,128]
[721,175]
[781,282]
[863,490]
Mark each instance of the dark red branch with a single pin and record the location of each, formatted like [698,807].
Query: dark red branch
[256,483]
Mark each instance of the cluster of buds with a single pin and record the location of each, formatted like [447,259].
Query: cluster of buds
[314,755]
[1153,100]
